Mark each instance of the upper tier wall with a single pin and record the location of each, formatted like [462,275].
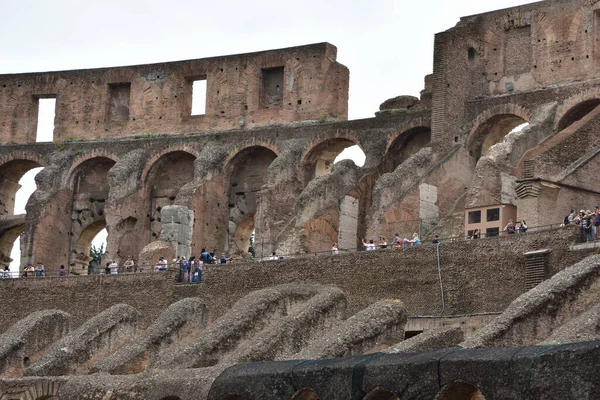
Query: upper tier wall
[277,86]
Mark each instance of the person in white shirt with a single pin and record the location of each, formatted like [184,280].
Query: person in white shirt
[369,246]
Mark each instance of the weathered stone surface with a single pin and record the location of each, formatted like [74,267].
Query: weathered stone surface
[430,340]
[399,102]
[92,337]
[585,326]
[369,328]
[29,336]
[151,253]
[533,316]
[137,355]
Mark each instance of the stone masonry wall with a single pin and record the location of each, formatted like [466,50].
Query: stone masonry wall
[478,276]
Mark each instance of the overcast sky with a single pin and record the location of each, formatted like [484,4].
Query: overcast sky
[387,45]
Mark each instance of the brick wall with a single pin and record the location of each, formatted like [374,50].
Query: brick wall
[478,276]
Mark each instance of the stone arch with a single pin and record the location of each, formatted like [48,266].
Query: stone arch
[85,158]
[405,144]
[575,108]
[245,175]
[41,390]
[492,125]
[460,390]
[583,17]
[79,258]
[234,396]
[184,148]
[237,152]
[93,172]
[320,235]
[305,394]
[171,170]
[320,156]
[7,241]
[380,393]
[11,172]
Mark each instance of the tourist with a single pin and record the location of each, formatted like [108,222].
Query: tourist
[184,267]
[369,246]
[522,226]
[435,240]
[416,241]
[107,269]
[29,270]
[205,257]
[199,270]
[6,272]
[273,257]
[596,223]
[397,242]
[62,271]
[161,265]
[223,259]
[129,264]
[40,270]
[587,223]
[382,243]
[476,234]
[510,227]
[335,250]
[113,267]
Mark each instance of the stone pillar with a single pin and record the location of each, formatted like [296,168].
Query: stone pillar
[348,223]
[177,227]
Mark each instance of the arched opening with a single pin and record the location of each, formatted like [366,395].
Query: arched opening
[381,394]
[471,54]
[165,179]
[247,172]
[80,259]
[320,235]
[305,394]
[460,391]
[576,113]
[17,184]
[493,131]
[321,158]
[234,396]
[90,192]
[244,235]
[406,145]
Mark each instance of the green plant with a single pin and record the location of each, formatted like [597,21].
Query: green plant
[96,255]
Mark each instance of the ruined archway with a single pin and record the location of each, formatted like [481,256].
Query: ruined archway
[320,235]
[405,145]
[169,173]
[319,160]
[17,183]
[247,173]
[89,182]
[305,394]
[460,390]
[381,394]
[492,131]
[576,113]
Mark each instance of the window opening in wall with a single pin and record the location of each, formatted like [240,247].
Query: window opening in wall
[272,87]
[45,123]
[199,97]
[354,153]
[471,54]
[492,232]
[119,97]
[22,196]
[474,217]
[97,250]
[493,214]
[409,334]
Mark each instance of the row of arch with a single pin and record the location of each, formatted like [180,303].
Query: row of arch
[166,172]
[164,175]
[458,390]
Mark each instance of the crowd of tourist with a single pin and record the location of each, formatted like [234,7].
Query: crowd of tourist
[588,220]
[190,270]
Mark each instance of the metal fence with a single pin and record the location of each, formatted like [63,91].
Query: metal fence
[264,256]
